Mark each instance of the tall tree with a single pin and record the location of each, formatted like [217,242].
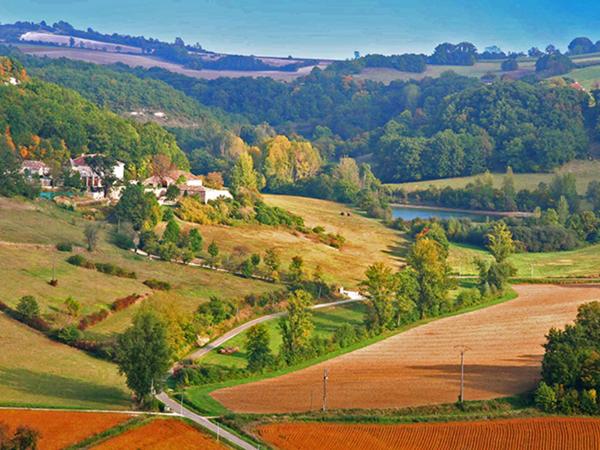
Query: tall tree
[258,350]
[143,355]
[500,242]
[296,327]
[432,275]
[381,285]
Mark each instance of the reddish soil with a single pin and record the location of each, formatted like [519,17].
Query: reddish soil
[422,366]
[162,434]
[512,434]
[60,429]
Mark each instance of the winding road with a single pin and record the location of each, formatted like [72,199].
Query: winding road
[205,422]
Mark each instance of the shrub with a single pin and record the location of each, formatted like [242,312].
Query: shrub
[69,334]
[123,241]
[111,269]
[93,319]
[64,247]
[468,297]
[545,397]
[76,260]
[157,285]
[28,307]
[124,302]
[197,375]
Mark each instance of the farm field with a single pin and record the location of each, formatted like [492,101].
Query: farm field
[588,77]
[161,434]
[421,366]
[585,172]
[367,240]
[479,69]
[37,371]
[61,429]
[327,321]
[552,433]
[99,57]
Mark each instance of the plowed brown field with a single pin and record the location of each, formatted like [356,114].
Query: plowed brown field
[421,366]
[162,434]
[513,434]
[59,429]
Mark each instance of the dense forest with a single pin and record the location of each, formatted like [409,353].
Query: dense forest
[40,120]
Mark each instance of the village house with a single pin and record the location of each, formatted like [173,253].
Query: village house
[188,185]
[37,170]
[91,180]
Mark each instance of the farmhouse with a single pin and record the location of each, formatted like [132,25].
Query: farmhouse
[187,183]
[91,180]
[37,170]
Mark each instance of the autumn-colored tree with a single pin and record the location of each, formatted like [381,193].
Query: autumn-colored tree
[296,327]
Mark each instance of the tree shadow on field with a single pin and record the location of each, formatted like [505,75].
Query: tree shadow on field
[498,379]
[46,384]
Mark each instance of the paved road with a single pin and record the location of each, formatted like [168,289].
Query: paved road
[204,422]
[353,297]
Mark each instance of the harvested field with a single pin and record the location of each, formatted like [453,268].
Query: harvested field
[161,434]
[99,57]
[60,429]
[521,434]
[421,366]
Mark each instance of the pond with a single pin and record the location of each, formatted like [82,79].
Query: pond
[421,212]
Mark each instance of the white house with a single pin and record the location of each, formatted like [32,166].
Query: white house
[92,180]
[188,185]
[33,169]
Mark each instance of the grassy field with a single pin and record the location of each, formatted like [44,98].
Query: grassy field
[37,371]
[27,268]
[479,69]
[327,321]
[367,240]
[588,77]
[582,262]
[585,172]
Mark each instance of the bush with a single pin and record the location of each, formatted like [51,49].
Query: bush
[123,241]
[468,297]
[64,247]
[111,269]
[77,260]
[69,334]
[93,319]
[28,307]
[197,375]
[545,398]
[157,285]
[124,302]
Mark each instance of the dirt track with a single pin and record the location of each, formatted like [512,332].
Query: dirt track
[517,434]
[421,366]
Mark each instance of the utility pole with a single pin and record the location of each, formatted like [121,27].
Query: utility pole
[463,349]
[325,378]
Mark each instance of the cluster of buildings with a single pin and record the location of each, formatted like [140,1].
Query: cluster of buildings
[92,182]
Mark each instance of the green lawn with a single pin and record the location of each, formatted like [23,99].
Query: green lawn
[585,172]
[327,321]
[37,371]
[588,77]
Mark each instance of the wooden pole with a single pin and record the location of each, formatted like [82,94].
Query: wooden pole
[325,378]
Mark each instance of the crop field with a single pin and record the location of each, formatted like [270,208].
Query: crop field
[99,57]
[512,434]
[421,366]
[327,321]
[367,240]
[37,371]
[161,434]
[585,172]
[61,429]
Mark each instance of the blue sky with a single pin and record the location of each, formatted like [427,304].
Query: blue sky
[326,28]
